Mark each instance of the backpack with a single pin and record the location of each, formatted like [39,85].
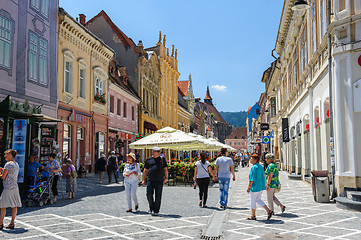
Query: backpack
[112,163]
[73,174]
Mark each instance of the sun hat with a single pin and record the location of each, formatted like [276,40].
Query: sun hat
[132,155]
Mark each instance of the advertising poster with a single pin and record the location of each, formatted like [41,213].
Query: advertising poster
[19,144]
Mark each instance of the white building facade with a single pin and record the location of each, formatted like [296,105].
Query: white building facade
[299,90]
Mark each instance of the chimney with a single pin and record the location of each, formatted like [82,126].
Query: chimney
[82,19]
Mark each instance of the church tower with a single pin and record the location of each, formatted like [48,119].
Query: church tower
[208,99]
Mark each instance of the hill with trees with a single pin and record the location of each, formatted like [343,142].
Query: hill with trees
[237,119]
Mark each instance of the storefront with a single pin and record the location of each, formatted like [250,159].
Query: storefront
[24,129]
[119,140]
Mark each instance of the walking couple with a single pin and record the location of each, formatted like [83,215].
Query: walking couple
[259,180]
[223,170]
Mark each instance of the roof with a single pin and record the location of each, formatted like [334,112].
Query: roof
[238,133]
[208,96]
[217,115]
[183,87]
[127,42]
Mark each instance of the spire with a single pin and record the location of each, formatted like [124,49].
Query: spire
[208,98]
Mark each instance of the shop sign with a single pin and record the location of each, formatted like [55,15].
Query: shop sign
[264,126]
[265,139]
[76,117]
[119,144]
[285,130]
[19,144]
[126,136]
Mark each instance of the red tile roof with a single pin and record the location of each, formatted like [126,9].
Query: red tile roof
[238,133]
[183,86]
[127,42]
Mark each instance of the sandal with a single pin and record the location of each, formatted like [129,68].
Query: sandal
[251,218]
[270,213]
[11,226]
[200,203]
[129,210]
[136,207]
[283,208]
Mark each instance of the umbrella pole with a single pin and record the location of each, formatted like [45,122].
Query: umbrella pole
[169,155]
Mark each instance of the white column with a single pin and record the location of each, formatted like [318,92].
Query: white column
[312,129]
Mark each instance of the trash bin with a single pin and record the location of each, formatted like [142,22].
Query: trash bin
[320,186]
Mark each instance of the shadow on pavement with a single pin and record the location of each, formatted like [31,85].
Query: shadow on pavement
[96,191]
[272,221]
[288,215]
[236,208]
[15,231]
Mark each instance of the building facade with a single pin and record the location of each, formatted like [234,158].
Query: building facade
[302,93]
[123,107]
[238,139]
[168,84]
[83,61]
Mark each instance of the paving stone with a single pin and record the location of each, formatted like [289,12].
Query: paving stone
[84,234]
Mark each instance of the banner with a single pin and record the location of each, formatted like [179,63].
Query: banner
[285,130]
[19,144]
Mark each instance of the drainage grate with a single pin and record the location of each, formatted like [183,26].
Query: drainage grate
[210,238]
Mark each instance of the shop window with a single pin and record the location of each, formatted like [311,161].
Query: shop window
[6,40]
[66,140]
[81,82]
[38,59]
[99,144]
[111,104]
[125,109]
[1,132]
[119,112]
[133,114]
[40,6]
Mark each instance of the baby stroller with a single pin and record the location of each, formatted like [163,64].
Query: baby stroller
[40,193]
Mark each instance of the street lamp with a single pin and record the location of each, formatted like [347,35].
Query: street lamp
[300,6]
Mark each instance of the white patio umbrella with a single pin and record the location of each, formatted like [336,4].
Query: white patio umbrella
[167,137]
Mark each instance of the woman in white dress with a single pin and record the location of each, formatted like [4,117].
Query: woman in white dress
[10,196]
[130,173]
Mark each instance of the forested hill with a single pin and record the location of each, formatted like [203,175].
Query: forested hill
[237,119]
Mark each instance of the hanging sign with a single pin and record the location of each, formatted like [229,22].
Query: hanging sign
[265,139]
[285,130]
[19,145]
[264,126]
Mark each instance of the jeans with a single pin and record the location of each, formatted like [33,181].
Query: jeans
[223,190]
[203,189]
[157,187]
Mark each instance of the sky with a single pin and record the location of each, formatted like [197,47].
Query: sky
[225,45]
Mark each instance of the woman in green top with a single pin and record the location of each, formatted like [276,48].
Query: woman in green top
[272,182]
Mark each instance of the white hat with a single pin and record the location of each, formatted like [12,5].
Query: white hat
[112,152]
[156,149]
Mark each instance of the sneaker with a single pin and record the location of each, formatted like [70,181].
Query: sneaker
[155,214]
[224,207]
[221,206]
[150,211]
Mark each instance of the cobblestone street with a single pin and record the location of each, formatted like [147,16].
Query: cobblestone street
[99,213]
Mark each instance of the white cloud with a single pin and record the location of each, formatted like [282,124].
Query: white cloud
[221,88]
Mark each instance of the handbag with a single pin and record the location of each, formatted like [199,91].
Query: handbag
[215,179]
[277,190]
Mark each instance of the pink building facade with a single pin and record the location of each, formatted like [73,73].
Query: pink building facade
[123,111]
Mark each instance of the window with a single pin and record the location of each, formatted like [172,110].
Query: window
[303,52]
[323,17]
[99,144]
[6,38]
[111,104]
[40,6]
[314,33]
[125,109]
[80,133]
[119,112]
[68,76]
[66,140]
[38,59]
[133,113]
[273,107]
[98,85]
[82,82]
[341,5]
[295,67]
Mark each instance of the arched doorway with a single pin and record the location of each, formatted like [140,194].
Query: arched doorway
[99,144]
[326,107]
[318,148]
[307,143]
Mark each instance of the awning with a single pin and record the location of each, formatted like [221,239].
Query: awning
[44,118]
[151,126]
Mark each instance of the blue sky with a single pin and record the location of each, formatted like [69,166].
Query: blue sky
[225,44]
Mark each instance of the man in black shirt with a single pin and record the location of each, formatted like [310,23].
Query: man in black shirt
[156,169]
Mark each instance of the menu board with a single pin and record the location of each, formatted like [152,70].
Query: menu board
[19,144]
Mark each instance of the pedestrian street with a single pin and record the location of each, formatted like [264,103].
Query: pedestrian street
[98,212]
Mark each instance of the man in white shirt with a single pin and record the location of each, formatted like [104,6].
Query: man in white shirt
[224,168]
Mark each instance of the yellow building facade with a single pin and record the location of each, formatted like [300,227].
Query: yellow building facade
[83,61]
[168,84]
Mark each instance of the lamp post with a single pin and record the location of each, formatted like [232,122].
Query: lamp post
[302,5]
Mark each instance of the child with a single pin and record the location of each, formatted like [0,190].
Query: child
[71,176]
